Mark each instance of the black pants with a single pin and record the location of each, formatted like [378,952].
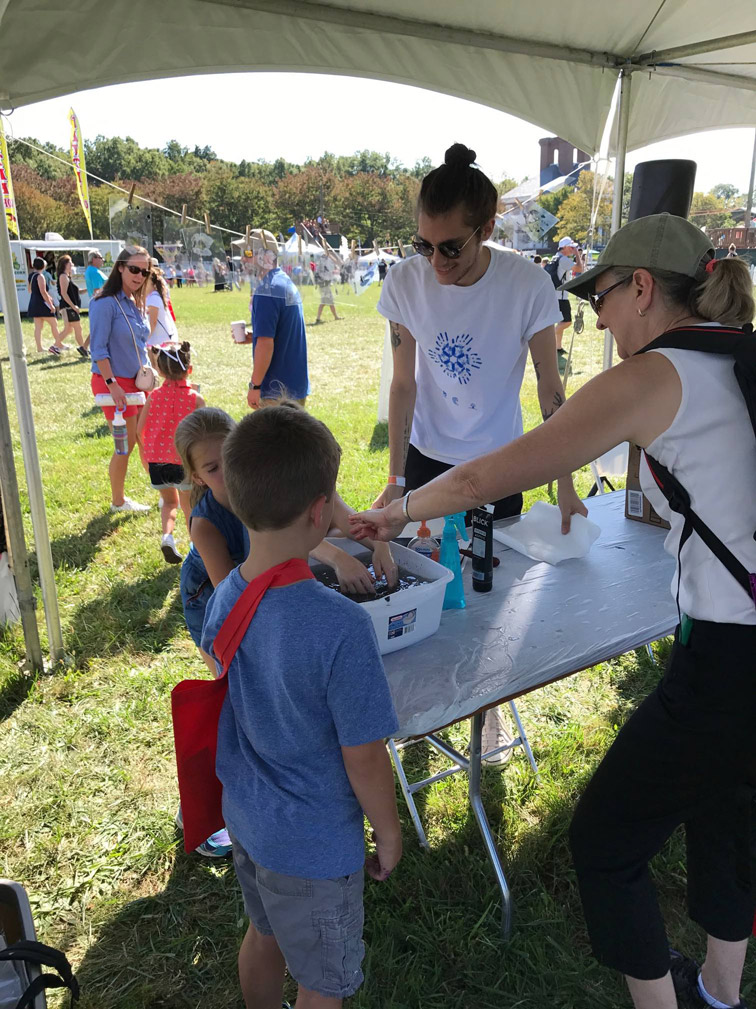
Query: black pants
[420,469]
[686,756]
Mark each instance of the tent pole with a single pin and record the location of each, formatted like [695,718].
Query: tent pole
[17,356]
[623,119]
[15,523]
[749,203]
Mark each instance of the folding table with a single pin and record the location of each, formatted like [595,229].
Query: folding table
[539,624]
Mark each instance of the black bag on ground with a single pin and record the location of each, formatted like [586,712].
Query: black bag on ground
[740,344]
[28,952]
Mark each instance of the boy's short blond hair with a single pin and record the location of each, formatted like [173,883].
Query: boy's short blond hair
[276,462]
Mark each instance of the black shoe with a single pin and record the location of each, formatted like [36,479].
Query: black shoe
[83,351]
[685,972]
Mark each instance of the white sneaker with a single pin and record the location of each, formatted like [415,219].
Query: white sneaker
[495,734]
[129,506]
[168,546]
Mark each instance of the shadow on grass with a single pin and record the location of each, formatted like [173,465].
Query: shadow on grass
[14,692]
[379,438]
[79,549]
[130,618]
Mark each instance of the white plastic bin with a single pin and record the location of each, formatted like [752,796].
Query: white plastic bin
[411,615]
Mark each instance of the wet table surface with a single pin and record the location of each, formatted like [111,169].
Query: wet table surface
[539,623]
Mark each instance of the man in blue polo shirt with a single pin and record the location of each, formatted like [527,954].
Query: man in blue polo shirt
[94,277]
[279,344]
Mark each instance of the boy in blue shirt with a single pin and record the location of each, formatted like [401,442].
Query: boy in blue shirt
[301,752]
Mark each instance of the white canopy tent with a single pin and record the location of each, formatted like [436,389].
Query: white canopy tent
[692,65]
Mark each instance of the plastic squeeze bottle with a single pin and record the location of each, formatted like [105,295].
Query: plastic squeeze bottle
[454,599]
[424,544]
[120,434]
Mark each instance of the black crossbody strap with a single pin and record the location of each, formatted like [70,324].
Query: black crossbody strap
[679,501]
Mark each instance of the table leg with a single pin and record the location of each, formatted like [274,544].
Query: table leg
[476,728]
[408,797]
[523,737]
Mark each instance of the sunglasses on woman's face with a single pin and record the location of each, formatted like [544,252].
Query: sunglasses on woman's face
[597,300]
[450,250]
[136,270]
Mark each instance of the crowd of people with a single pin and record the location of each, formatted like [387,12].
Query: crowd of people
[259,497]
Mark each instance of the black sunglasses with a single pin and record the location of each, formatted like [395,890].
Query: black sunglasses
[596,300]
[450,250]
[136,270]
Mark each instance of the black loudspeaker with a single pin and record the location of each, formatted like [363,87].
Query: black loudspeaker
[662,187]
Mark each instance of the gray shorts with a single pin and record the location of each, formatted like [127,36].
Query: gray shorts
[317,923]
[326,295]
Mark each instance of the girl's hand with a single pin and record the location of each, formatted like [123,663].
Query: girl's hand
[384,564]
[354,578]
[569,503]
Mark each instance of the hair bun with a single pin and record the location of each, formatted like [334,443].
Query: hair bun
[458,156]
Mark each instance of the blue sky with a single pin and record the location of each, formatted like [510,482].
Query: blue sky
[294,116]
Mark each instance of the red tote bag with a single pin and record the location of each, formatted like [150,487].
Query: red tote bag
[196,707]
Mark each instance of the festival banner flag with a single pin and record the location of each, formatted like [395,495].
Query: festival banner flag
[6,186]
[80,168]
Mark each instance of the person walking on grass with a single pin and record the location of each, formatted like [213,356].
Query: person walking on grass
[307,678]
[94,277]
[463,317]
[569,263]
[164,410]
[660,291]
[118,338]
[323,278]
[42,308]
[70,305]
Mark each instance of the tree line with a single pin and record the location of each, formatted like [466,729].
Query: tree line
[368,195]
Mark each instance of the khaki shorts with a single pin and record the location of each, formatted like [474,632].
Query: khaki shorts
[326,295]
[317,923]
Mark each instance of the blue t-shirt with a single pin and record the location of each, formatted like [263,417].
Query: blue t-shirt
[94,279]
[277,314]
[307,679]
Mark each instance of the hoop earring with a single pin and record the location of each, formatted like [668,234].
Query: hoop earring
[641,313]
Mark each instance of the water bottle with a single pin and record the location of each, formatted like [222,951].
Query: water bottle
[424,544]
[120,434]
[454,598]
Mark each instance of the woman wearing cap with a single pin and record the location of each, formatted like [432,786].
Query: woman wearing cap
[659,274]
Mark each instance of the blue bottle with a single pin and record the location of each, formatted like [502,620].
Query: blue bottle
[454,599]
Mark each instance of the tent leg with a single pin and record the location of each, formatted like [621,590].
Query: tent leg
[16,541]
[749,205]
[623,118]
[29,444]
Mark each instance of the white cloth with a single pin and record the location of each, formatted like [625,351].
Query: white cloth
[472,345]
[711,449]
[565,266]
[166,327]
[538,535]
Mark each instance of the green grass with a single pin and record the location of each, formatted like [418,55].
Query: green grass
[87,783]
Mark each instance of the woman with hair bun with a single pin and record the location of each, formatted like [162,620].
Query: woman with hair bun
[680,318]
[463,317]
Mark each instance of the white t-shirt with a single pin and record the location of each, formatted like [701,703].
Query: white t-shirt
[711,449]
[166,327]
[565,266]
[472,346]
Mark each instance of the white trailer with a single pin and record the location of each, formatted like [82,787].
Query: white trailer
[24,252]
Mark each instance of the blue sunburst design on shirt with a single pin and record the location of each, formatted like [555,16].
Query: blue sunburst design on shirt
[454,356]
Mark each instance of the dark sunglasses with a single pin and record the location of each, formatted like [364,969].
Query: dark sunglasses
[136,270]
[450,250]
[596,300]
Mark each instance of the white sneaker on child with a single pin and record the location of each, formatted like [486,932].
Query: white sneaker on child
[168,546]
[495,734]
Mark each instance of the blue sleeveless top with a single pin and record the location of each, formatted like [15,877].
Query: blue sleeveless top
[193,572]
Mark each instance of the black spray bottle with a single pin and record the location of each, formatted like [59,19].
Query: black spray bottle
[482,548]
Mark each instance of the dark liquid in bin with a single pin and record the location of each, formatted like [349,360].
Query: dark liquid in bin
[406,581]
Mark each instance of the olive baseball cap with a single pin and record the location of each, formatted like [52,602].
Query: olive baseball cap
[657,242]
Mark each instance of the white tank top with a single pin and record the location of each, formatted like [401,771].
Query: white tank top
[711,448]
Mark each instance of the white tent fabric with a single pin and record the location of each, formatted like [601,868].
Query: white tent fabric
[552,63]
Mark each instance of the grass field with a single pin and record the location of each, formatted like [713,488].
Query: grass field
[87,783]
